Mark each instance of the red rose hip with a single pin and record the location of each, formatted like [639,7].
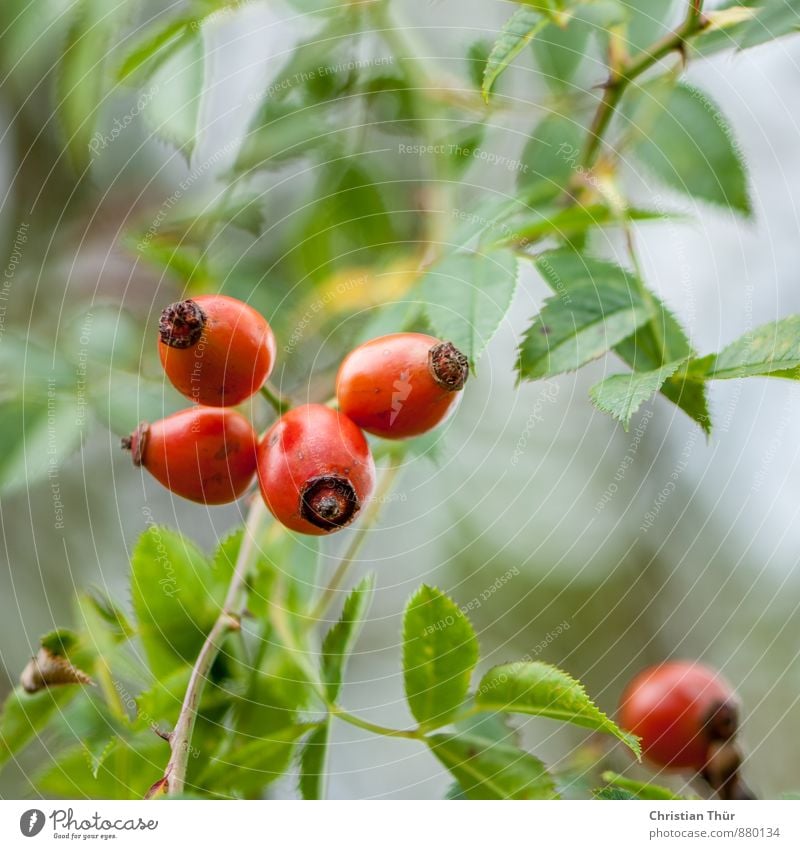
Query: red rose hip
[401,385]
[205,454]
[215,350]
[679,709]
[315,470]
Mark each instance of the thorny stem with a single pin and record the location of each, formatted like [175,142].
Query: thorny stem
[627,72]
[279,402]
[359,538]
[227,621]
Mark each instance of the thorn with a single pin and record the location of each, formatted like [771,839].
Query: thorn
[164,735]
[233,622]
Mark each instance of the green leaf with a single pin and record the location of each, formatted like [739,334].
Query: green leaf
[552,8]
[83,79]
[518,31]
[440,651]
[285,577]
[644,21]
[775,19]
[772,349]
[339,641]
[254,765]
[539,689]
[40,432]
[488,770]
[128,769]
[176,93]
[154,48]
[25,716]
[681,136]
[568,222]
[477,57]
[466,297]
[312,762]
[177,595]
[59,642]
[640,789]
[559,50]
[621,395]
[97,751]
[642,351]
[728,24]
[579,326]
[613,794]
[550,157]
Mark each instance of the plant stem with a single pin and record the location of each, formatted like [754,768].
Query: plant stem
[279,402]
[369,518]
[410,734]
[626,73]
[227,621]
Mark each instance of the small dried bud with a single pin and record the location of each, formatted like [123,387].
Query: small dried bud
[49,670]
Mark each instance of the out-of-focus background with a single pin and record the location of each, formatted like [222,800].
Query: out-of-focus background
[568,539]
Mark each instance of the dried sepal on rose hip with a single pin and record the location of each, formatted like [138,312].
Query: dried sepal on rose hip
[51,666]
[679,709]
[215,350]
[315,470]
[205,454]
[401,385]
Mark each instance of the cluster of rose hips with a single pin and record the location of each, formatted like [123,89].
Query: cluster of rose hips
[314,465]
[687,717]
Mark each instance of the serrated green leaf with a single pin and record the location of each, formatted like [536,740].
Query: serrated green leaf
[642,351]
[440,651]
[176,594]
[681,136]
[84,79]
[770,350]
[488,770]
[518,31]
[176,93]
[466,297]
[339,641]
[641,789]
[621,395]
[312,762]
[539,689]
[775,18]
[97,751]
[577,328]
[550,157]
[59,642]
